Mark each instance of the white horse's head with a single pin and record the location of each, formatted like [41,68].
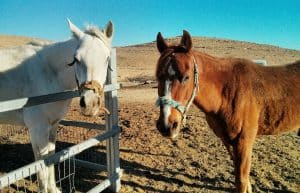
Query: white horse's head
[91,61]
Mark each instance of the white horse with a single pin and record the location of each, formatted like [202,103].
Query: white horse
[39,69]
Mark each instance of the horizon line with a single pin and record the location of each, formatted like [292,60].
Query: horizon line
[167,38]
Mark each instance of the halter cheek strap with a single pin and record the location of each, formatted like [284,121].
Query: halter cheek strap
[177,105]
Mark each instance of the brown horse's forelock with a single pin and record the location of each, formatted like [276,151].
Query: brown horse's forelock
[165,61]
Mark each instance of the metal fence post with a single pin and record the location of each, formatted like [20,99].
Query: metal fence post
[112,146]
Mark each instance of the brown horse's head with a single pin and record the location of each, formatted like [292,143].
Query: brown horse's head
[177,78]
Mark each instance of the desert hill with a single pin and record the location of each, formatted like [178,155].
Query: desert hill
[7,41]
[138,61]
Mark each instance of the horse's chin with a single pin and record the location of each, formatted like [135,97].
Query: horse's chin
[89,112]
[173,135]
[170,134]
[167,131]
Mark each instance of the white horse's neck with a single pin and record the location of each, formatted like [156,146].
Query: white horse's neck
[44,72]
[58,56]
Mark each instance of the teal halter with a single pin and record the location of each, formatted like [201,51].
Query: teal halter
[177,105]
[166,101]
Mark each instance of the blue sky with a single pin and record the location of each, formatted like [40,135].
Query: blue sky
[275,22]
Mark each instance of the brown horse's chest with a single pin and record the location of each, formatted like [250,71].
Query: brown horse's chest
[222,127]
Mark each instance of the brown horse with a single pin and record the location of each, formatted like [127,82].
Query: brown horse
[240,99]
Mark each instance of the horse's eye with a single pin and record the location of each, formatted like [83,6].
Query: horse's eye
[172,77]
[185,79]
[76,60]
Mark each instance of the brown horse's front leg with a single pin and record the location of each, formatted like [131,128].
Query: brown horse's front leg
[229,148]
[242,163]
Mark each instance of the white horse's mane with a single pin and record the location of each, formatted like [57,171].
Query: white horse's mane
[96,32]
[39,42]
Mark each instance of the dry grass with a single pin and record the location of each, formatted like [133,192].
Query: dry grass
[7,41]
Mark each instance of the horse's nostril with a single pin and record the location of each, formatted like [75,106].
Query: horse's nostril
[161,128]
[175,124]
[82,102]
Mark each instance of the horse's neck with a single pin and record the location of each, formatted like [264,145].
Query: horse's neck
[212,74]
[12,58]
[58,56]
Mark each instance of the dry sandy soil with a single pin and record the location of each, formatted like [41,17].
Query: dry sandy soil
[195,162]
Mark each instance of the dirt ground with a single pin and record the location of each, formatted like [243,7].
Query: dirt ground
[196,161]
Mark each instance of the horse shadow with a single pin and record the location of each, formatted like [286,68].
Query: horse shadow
[84,179]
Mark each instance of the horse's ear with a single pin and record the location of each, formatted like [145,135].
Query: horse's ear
[77,33]
[161,43]
[186,40]
[109,29]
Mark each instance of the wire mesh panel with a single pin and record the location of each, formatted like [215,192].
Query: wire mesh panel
[24,178]
[26,181]
[79,173]
[29,184]
[66,175]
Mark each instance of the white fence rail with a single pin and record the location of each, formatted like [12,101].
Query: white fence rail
[261,62]
[111,136]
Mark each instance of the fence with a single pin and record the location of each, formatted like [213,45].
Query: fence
[111,136]
[261,62]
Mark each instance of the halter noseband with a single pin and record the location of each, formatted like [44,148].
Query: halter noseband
[91,85]
[177,105]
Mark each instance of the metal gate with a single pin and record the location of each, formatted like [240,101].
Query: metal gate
[111,136]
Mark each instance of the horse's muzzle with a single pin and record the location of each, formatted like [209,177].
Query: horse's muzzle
[91,101]
[171,130]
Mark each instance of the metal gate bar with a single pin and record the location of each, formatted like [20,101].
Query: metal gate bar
[106,183]
[90,165]
[20,103]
